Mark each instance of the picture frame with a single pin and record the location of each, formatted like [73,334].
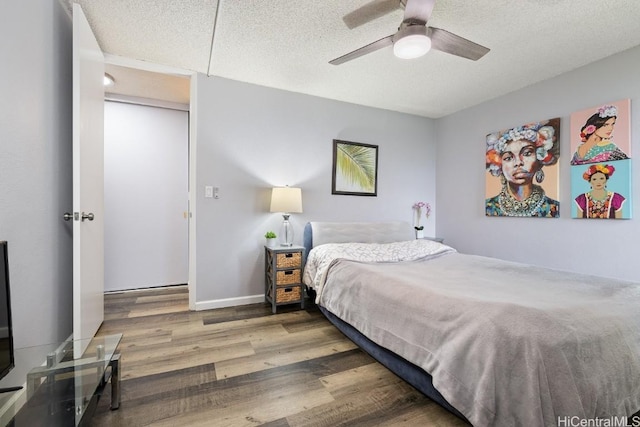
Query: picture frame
[355,169]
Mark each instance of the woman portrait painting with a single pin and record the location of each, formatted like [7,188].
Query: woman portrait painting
[518,158]
[599,201]
[593,137]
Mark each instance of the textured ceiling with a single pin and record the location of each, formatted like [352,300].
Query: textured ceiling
[137,85]
[287,44]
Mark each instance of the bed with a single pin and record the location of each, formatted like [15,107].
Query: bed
[497,343]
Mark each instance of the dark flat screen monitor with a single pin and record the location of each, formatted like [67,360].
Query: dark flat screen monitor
[6,331]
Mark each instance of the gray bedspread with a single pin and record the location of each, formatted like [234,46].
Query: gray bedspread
[507,344]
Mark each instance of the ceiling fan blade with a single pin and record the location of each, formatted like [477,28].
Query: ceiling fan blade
[370,11]
[445,41]
[379,44]
[418,11]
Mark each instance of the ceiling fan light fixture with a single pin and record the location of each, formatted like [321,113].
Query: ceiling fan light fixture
[411,42]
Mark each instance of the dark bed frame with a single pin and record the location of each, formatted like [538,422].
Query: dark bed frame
[414,375]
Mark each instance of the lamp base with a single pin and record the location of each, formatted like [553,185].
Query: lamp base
[286,233]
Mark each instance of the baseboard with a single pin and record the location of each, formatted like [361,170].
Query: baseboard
[146,288]
[229,302]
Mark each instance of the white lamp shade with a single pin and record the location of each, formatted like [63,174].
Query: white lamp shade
[286,199]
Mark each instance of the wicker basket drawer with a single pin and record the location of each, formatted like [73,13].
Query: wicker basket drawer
[292,293]
[289,260]
[288,277]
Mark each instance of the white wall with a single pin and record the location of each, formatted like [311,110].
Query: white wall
[35,167]
[606,248]
[146,196]
[251,138]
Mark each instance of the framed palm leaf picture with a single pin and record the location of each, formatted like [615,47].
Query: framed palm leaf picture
[355,169]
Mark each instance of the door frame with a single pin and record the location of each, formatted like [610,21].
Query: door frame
[157,68]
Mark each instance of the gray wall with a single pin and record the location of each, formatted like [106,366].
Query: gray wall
[251,138]
[606,248]
[35,166]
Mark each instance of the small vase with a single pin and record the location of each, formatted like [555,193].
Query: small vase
[271,243]
[419,234]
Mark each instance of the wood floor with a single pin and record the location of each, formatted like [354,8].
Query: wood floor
[244,366]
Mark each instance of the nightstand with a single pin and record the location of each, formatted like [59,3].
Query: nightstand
[283,276]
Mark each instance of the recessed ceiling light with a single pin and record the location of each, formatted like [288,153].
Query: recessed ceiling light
[109,80]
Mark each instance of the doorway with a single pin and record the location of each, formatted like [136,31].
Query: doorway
[146,196]
[154,90]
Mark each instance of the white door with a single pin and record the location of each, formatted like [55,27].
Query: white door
[88,180]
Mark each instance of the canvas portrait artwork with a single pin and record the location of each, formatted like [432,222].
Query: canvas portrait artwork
[522,178]
[601,134]
[601,161]
[601,190]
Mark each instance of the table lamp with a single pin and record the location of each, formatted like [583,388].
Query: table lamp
[286,200]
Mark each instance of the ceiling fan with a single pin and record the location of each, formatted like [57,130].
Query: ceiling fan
[413,38]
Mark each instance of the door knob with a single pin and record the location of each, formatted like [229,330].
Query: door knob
[67,216]
[88,216]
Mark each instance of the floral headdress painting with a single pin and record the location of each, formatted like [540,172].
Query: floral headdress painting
[522,177]
[601,190]
[601,134]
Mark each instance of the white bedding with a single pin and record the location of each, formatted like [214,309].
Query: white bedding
[507,344]
[321,257]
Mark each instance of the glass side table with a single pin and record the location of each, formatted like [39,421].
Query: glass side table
[62,390]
